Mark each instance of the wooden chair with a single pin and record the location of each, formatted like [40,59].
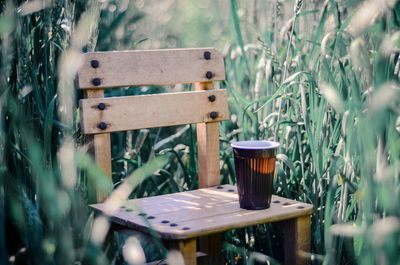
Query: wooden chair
[193,220]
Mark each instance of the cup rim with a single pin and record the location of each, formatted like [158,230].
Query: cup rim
[246,145]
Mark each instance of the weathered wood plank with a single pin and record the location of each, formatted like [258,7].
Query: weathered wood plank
[201,214]
[208,147]
[149,111]
[150,67]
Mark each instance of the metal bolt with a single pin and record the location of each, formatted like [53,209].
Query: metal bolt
[102,125]
[101,106]
[209,75]
[94,63]
[213,115]
[207,55]
[96,81]
[212,98]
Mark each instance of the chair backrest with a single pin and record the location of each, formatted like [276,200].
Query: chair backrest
[206,107]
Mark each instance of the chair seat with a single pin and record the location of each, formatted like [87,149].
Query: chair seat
[201,212]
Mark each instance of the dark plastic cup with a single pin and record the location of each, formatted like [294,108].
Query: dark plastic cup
[255,170]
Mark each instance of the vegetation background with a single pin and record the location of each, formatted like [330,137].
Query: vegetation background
[321,77]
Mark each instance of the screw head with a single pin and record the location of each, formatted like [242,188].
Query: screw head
[94,63]
[209,75]
[101,106]
[212,98]
[213,115]
[96,81]
[207,55]
[102,125]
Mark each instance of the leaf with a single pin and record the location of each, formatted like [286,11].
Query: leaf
[239,98]
[286,83]
[285,159]
[140,174]
[239,37]
[386,95]
[48,128]
[98,181]
[346,230]
[136,43]
[333,97]
[6,24]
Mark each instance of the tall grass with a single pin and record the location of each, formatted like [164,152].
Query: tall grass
[319,77]
[329,93]
[44,179]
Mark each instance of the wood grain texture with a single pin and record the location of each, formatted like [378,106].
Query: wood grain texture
[149,111]
[150,67]
[208,147]
[208,154]
[101,145]
[201,212]
[297,240]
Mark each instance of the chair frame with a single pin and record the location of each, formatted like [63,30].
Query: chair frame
[201,66]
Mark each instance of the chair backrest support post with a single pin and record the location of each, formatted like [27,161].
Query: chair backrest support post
[100,145]
[207,147]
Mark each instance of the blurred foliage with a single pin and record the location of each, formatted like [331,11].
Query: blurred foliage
[322,78]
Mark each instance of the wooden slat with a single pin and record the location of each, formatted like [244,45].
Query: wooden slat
[150,67]
[149,111]
[208,147]
[202,214]
[101,146]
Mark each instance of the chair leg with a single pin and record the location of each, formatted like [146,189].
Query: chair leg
[211,245]
[297,240]
[187,247]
